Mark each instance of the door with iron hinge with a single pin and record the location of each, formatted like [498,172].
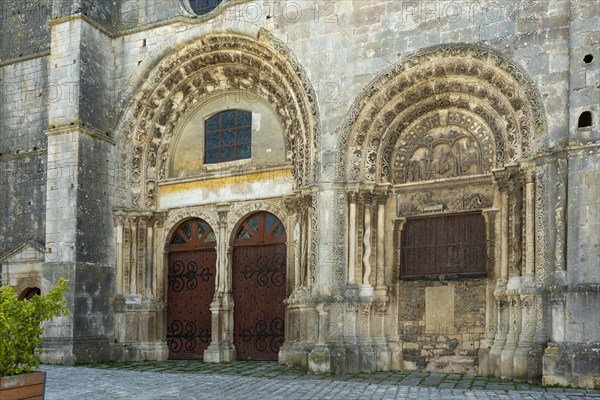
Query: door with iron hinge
[259,287]
[191,287]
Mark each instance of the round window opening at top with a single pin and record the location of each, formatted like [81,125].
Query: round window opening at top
[202,7]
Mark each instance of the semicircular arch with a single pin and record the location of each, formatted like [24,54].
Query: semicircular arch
[262,67]
[236,217]
[473,87]
[175,219]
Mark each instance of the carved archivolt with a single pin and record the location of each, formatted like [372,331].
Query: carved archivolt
[175,217]
[446,111]
[237,215]
[261,67]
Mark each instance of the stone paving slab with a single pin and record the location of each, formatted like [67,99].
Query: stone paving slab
[266,381]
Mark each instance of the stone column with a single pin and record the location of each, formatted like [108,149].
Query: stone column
[528,321]
[118,227]
[512,337]
[491,311]
[134,257]
[512,236]
[529,226]
[307,265]
[365,341]
[352,199]
[382,354]
[150,264]
[392,333]
[120,321]
[221,346]
[502,178]
[504,246]
[350,337]
[366,289]
[381,200]
[528,324]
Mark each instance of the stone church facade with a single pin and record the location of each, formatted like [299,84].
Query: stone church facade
[338,185]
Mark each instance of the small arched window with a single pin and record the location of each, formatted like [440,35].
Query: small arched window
[201,7]
[28,293]
[585,120]
[228,136]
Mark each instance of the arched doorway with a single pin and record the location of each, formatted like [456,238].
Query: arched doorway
[191,275]
[259,277]
[28,293]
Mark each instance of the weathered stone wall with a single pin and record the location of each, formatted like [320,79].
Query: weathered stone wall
[103,53]
[24,29]
[25,93]
[444,338]
[366,36]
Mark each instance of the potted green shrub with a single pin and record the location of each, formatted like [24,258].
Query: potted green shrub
[20,335]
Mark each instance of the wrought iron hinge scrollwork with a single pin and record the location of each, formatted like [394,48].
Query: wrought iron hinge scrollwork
[185,335]
[267,336]
[264,273]
[184,276]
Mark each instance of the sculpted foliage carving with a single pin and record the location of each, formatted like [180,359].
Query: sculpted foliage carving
[275,207]
[459,202]
[446,111]
[219,63]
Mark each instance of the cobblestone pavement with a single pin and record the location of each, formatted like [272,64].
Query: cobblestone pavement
[270,381]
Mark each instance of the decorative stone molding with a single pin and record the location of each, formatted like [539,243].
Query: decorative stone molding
[299,209]
[459,202]
[239,211]
[176,216]
[445,111]
[261,67]
[137,256]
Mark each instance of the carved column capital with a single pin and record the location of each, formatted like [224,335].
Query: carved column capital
[557,299]
[366,197]
[353,197]
[159,219]
[502,178]
[527,300]
[529,174]
[222,222]
[507,178]
[296,204]
[381,305]
[381,198]
[117,220]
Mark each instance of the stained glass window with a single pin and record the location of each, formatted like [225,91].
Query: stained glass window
[228,136]
[201,7]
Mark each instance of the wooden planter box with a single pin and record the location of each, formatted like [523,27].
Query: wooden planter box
[23,387]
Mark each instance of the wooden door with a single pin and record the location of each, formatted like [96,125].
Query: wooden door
[191,275]
[259,277]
